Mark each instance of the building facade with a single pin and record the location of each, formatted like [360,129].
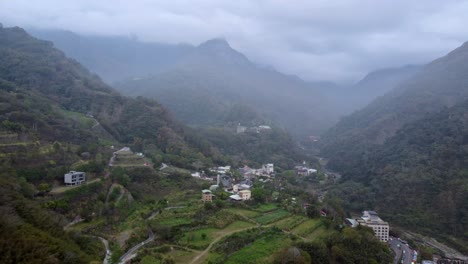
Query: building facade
[207,196]
[74,178]
[380,227]
[245,194]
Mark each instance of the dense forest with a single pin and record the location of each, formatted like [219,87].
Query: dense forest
[405,154]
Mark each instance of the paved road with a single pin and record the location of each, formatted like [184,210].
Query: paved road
[125,257]
[403,250]
[108,253]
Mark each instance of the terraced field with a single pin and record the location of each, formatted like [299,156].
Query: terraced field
[290,222]
[307,227]
[272,216]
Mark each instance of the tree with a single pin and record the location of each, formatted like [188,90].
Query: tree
[259,194]
[44,187]
[312,211]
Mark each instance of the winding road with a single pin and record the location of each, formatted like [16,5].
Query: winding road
[125,257]
[108,253]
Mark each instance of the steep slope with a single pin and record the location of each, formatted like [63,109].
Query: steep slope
[56,116]
[203,87]
[405,153]
[418,178]
[115,58]
[438,85]
[37,68]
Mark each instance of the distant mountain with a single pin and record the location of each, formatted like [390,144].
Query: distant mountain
[115,58]
[440,84]
[377,83]
[204,87]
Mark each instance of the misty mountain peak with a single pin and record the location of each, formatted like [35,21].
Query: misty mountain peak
[216,43]
[219,49]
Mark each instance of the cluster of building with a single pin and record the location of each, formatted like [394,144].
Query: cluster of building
[267,170]
[303,170]
[240,191]
[372,220]
[256,129]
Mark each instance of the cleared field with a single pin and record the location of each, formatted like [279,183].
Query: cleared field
[62,189]
[290,222]
[175,221]
[261,250]
[244,212]
[199,239]
[317,233]
[307,227]
[272,217]
[181,256]
[266,208]
[237,225]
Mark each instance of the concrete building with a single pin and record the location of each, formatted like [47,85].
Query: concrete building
[74,178]
[240,129]
[245,194]
[268,168]
[372,220]
[207,196]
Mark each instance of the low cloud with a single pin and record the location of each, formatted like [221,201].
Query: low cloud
[316,40]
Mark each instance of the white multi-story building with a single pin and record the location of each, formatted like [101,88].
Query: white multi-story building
[74,178]
[268,168]
[380,227]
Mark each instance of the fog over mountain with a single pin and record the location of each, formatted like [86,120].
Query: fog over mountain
[316,40]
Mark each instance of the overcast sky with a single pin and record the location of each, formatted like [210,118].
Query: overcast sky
[338,40]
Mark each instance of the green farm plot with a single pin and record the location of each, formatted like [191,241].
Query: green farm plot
[175,221]
[266,208]
[318,233]
[307,227]
[181,256]
[272,216]
[261,250]
[237,225]
[244,212]
[290,222]
[198,239]
[201,238]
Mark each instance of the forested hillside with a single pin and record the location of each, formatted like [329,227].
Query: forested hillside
[56,116]
[440,84]
[405,154]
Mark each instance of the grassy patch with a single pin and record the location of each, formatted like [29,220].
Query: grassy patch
[266,208]
[237,225]
[260,250]
[175,221]
[290,222]
[272,217]
[199,239]
[307,227]
[63,189]
[244,212]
